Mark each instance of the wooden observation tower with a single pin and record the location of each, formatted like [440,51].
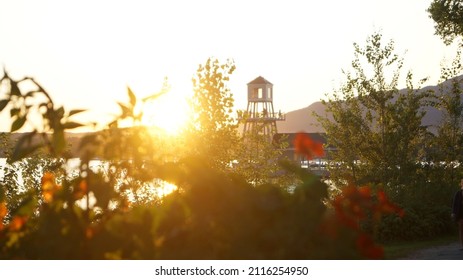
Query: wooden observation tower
[260,117]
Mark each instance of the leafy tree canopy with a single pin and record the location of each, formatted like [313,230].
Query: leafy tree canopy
[448,18]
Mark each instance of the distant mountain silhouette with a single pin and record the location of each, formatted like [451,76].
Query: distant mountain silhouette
[8,140]
[303,120]
[72,139]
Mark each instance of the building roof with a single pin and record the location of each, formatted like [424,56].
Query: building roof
[290,137]
[259,80]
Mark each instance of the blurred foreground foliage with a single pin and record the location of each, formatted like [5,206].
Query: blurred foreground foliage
[113,212]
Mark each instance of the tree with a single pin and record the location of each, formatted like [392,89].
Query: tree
[344,134]
[378,139]
[258,160]
[448,18]
[376,129]
[212,132]
[449,138]
[216,215]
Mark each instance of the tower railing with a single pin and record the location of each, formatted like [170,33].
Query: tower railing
[263,116]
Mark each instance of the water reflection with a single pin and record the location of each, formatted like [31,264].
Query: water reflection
[155,189]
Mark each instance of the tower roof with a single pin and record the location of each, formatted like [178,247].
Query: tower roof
[259,80]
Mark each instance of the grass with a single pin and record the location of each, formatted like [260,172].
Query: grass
[399,250]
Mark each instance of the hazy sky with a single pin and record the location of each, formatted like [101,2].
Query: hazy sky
[85,53]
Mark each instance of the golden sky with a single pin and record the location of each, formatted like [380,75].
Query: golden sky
[86,52]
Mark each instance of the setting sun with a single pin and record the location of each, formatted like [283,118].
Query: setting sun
[169,112]
[165,189]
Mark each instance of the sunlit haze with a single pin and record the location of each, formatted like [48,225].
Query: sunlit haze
[85,53]
[169,112]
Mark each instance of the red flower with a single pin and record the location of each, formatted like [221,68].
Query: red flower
[385,206]
[304,145]
[355,202]
[353,206]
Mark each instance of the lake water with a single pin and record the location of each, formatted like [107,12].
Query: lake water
[156,188]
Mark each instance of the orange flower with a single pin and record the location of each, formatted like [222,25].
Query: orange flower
[49,187]
[80,190]
[17,223]
[304,145]
[89,232]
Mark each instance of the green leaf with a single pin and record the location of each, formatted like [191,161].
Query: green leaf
[14,112]
[154,96]
[3,104]
[30,93]
[126,112]
[18,123]
[133,98]
[26,206]
[113,124]
[59,143]
[14,88]
[59,112]
[71,125]
[74,112]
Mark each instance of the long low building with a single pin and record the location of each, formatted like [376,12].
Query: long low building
[317,165]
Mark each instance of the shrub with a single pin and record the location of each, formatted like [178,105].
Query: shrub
[95,214]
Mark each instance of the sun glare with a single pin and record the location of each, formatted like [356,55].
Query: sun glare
[165,189]
[169,112]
